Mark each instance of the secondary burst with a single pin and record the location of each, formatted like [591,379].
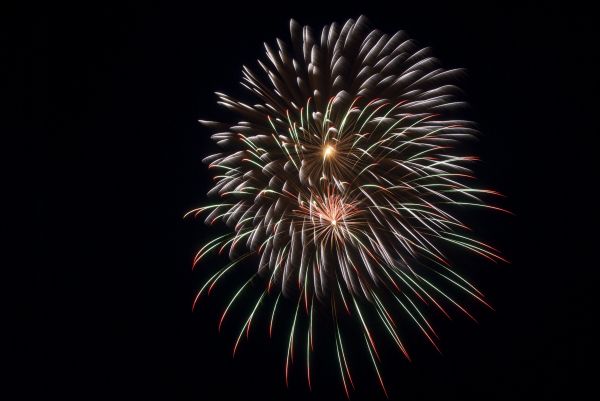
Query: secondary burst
[343,179]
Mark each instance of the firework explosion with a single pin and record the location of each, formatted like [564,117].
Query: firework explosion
[342,180]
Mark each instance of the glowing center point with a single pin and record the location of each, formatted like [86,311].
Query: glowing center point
[333,222]
[328,151]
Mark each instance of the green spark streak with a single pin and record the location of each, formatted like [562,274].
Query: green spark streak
[290,351]
[273,315]
[203,251]
[255,163]
[483,252]
[364,323]
[342,294]
[420,314]
[417,322]
[224,270]
[368,119]
[459,306]
[414,140]
[346,116]
[388,325]
[309,343]
[237,294]
[337,348]
[344,355]
[384,117]
[402,275]
[326,118]
[247,324]
[375,366]
[463,288]
[249,142]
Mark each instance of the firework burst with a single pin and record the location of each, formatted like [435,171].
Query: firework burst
[342,181]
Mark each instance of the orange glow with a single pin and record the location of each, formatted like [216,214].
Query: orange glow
[328,151]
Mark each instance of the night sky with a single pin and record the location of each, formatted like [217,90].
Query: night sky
[111,96]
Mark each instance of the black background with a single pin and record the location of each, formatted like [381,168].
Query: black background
[111,94]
